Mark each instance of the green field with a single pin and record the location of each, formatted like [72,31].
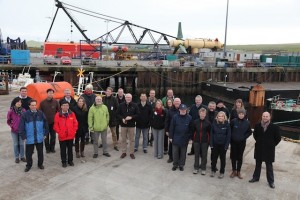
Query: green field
[265,48]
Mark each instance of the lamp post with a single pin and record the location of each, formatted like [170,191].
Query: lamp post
[224,53]
[107,21]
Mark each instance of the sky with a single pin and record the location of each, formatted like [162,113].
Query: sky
[249,21]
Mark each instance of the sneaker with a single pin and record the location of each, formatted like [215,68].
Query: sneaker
[203,172]
[41,167]
[17,160]
[27,169]
[107,154]
[169,160]
[221,176]
[181,168]
[145,150]
[116,148]
[64,165]
[174,168]
[123,155]
[212,174]
[132,156]
[71,163]
[23,159]
[95,156]
[195,171]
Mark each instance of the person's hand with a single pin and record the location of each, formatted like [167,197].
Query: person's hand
[170,140]
[128,118]
[167,133]
[124,121]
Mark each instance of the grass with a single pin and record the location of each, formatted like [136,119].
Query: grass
[264,48]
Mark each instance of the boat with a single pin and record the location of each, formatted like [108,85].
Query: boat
[286,113]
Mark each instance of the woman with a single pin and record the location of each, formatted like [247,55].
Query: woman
[13,120]
[220,138]
[169,104]
[158,124]
[81,113]
[240,131]
[238,104]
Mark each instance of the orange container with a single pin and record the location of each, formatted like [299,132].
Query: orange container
[38,91]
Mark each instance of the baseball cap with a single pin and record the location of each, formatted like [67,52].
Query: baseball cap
[183,107]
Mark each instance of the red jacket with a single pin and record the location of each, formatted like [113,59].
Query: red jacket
[65,126]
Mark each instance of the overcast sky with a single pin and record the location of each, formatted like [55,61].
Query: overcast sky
[249,21]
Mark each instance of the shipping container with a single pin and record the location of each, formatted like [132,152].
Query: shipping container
[20,57]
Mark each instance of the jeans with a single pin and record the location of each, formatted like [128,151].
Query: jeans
[145,137]
[103,139]
[158,136]
[18,145]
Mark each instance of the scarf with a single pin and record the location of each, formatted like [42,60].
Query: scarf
[89,92]
[265,125]
[159,111]
[18,111]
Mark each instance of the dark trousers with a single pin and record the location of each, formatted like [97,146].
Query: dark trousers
[66,146]
[179,155]
[29,152]
[150,135]
[200,149]
[269,170]
[192,148]
[80,136]
[166,142]
[118,131]
[170,152]
[50,139]
[218,150]
[236,154]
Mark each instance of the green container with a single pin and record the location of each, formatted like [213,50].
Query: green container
[171,57]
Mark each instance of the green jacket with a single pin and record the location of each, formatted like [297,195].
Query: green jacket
[98,118]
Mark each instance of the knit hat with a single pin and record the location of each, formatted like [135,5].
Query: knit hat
[241,110]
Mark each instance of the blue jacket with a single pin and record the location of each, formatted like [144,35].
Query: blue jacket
[33,127]
[220,134]
[181,129]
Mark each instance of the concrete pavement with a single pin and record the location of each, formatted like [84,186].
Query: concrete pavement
[142,178]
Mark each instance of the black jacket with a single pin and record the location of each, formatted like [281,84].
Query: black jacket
[144,117]
[112,106]
[171,112]
[125,110]
[201,131]
[220,134]
[180,129]
[240,130]
[266,142]
[158,121]
[72,102]
[82,118]
[25,102]
[89,99]
[194,111]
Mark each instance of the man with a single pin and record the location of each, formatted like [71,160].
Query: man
[194,112]
[180,134]
[89,98]
[221,107]
[98,120]
[112,105]
[127,114]
[121,99]
[173,111]
[49,107]
[267,137]
[66,125]
[33,127]
[170,95]
[152,100]
[69,99]
[212,113]
[143,122]
[24,98]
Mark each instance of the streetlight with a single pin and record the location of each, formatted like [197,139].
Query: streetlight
[224,53]
[107,21]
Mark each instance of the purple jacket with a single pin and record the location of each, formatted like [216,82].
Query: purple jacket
[13,120]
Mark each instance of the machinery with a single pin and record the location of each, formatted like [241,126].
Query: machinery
[192,46]
[120,53]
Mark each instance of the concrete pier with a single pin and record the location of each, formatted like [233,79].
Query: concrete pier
[142,178]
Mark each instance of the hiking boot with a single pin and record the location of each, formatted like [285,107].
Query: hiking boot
[132,156]
[239,175]
[123,155]
[233,174]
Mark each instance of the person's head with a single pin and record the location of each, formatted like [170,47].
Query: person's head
[120,92]
[109,91]
[143,97]
[158,104]
[128,98]
[169,103]
[212,106]
[177,102]
[67,93]
[221,117]
[202,113]
[81,103]
[23,92]
[32,104]
[50,93]
[182,109]
[89,88]
[220,103]
[98,100]
[152,93]
[17,102]
[241,113]
[198,100]
[266,117]
[170,93]
[64,105]
[238,104]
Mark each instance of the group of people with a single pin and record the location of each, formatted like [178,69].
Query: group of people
[167,124]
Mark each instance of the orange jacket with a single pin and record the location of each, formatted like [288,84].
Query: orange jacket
[65,127]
